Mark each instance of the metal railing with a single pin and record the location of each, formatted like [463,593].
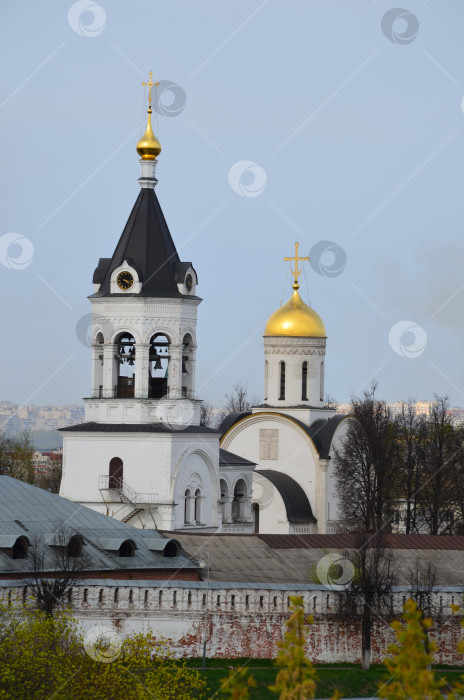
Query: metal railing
[126,492]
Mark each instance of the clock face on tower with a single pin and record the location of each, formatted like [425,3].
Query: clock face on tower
[125,280]
[189,283]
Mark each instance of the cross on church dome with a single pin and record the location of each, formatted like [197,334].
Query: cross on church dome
[296,272]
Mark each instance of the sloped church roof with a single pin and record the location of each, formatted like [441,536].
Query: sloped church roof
[146,243]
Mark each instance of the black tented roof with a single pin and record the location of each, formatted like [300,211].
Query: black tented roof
[147,245]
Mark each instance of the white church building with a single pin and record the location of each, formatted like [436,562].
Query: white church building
[141,456]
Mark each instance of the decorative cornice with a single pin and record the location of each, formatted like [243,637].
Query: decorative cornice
[294,351]
[295,342]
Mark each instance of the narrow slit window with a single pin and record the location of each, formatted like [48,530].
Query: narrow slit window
[304,381]
[282,381]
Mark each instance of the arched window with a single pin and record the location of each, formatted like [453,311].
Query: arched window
[125,357]
[127,549]
[158,361]
[116,473]
[266,372]
[198,506]
[322,382]
[304,381]
[172,549]
[255,508]
[74,547]
[282,381]
[187,507]
[19,550]
[224,500]
[238,504]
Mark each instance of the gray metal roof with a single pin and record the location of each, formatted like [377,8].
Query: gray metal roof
[295,500]
[135,428]
[229,459]
[215,585]
[29,511]
[259,559]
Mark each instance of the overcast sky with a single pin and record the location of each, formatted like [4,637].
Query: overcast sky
[338,124]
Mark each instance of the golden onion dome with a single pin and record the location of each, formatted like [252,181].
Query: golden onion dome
[149,147]
[295,318]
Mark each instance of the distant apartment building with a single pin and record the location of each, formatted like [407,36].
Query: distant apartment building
[15,418]
[422,408]
[44,460]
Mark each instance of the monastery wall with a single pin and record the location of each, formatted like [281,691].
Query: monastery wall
[241,622]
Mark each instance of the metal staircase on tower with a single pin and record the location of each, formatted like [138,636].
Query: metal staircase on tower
[133,502]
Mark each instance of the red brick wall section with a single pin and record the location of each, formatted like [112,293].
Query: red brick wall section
[232,635]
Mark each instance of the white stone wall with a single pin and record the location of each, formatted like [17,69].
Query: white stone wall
[156,465]
[241,621]
[296,456]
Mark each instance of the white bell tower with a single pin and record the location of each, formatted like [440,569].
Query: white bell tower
[141,455]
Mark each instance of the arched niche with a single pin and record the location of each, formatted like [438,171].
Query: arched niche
[238,504]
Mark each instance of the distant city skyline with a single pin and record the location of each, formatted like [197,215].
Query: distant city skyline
[15,418]
[335,124]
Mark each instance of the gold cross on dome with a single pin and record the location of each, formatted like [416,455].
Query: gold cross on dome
[149,85]
[296,272]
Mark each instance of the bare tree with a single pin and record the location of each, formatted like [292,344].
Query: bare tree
[458,507]
[56,565]
[366,466]
[422,589]
[409,467]
[238,399]
[330,402]
[369,595]
[440,457]
[206,414]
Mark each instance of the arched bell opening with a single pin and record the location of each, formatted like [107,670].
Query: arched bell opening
[188,356]
[125,363]
[158,363]
[98,364]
